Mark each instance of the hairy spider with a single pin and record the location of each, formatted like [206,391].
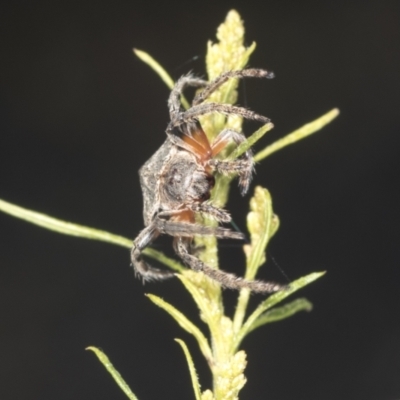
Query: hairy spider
[177,181]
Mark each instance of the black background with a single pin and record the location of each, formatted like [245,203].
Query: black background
[80,114]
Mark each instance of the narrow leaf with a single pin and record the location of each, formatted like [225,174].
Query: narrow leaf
[251,140]
[273,300]
[192,369]
[155,66]
[57,225]
[298,134]
[184,322]
[279,313]
[71,229]
[160,71]
[113,372]
[262,224]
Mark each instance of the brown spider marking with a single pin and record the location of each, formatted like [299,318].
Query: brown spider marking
[177,181]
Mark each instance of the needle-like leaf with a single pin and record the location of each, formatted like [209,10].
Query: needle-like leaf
[192,369]
[113,372]
[184,322]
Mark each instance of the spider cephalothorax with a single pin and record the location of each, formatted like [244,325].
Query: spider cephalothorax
[177,181]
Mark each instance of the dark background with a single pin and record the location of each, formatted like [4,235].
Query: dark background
[80,114]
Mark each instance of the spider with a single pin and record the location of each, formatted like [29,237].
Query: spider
[177,180]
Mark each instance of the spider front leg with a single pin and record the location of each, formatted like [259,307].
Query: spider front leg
[243,166]
[174,101]
[141,268]
[184,117]
[221,79]
[225,279]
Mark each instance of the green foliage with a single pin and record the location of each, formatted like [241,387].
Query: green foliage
[113,372]
[192,369]
[225,334]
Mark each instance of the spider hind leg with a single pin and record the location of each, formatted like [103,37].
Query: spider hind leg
[225,279]
[142,269]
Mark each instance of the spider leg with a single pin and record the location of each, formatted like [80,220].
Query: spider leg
[142,268]
[174,101]
[192,113]
[244,166]
[219,214]
[192,138]
[177,141]
[188,230]
[220,80]
[225,279]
